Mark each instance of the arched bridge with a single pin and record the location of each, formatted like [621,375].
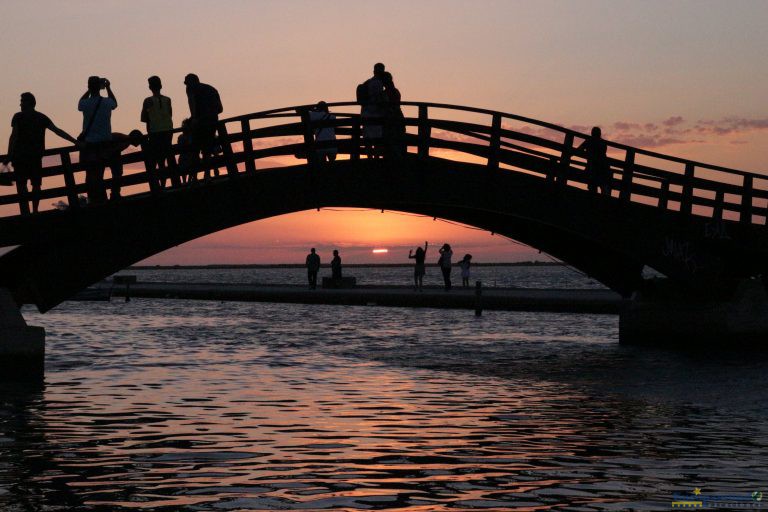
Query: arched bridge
[519,177]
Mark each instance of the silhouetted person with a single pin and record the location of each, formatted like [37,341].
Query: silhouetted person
[373,100]
[97,129]
[157,115]
[25,149]
[445,264]
[598,170]
[324,133]
[336,267]
[204,109]
[464,264]
[394,127]
[418,268]
[110,154]
[313,266]
[189,157]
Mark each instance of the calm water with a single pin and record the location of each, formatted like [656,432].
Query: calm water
[167,405]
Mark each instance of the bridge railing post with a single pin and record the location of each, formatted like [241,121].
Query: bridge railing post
[565,160]
[745,216]
[664,195]
[149,169]
[686,202]
[425,132]
[626,179]
[226,148]
[495,143]
[69,181]
[250,163]
[309,139]
[356,138]
[717,211]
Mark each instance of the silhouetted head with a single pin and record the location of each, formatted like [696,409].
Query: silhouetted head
[94,84]
[321,106]
[335,252]
[186,125]
[155,84]
[312,250]
[386,77]
[191,80]
[467,257]
[597,132]
[135,137]
[28,101]
[378,69]
[419,250]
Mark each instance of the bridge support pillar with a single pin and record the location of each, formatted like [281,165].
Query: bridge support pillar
[715,313]
[22,347]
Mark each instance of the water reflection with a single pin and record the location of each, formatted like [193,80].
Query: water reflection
[207,406]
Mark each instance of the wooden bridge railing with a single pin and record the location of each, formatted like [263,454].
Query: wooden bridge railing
[537,148]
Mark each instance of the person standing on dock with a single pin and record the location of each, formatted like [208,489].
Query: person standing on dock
[418,268]
[313,266]
[26,146]
[336,267]
[157,115]
[445,265]
[464,265]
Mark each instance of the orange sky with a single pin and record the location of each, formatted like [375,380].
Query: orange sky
[685,78]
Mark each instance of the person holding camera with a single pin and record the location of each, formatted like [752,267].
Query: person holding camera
[97,133]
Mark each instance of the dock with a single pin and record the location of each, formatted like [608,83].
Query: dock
[503,299]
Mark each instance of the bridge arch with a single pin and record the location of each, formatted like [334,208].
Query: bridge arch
[528,188]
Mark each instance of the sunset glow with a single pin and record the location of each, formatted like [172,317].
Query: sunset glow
[380,251]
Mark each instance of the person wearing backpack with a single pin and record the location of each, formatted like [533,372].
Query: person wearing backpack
[372,99]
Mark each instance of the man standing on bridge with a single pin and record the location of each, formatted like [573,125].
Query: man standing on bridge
[204,109]
[26,146]
[97,130]
[157,114]
[598,169]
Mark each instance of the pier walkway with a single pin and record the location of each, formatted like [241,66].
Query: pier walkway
[509,299]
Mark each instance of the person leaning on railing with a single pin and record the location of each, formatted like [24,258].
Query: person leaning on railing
[25,149]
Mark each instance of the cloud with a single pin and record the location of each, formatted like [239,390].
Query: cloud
[672,130]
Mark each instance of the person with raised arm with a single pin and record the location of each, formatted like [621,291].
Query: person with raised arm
[418,268]
[97,130]
[25,149]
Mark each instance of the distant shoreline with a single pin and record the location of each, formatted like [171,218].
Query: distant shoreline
[349,265]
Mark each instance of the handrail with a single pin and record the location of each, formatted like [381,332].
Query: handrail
[500,145]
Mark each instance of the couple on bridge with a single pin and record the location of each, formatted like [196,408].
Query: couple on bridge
[382,118]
